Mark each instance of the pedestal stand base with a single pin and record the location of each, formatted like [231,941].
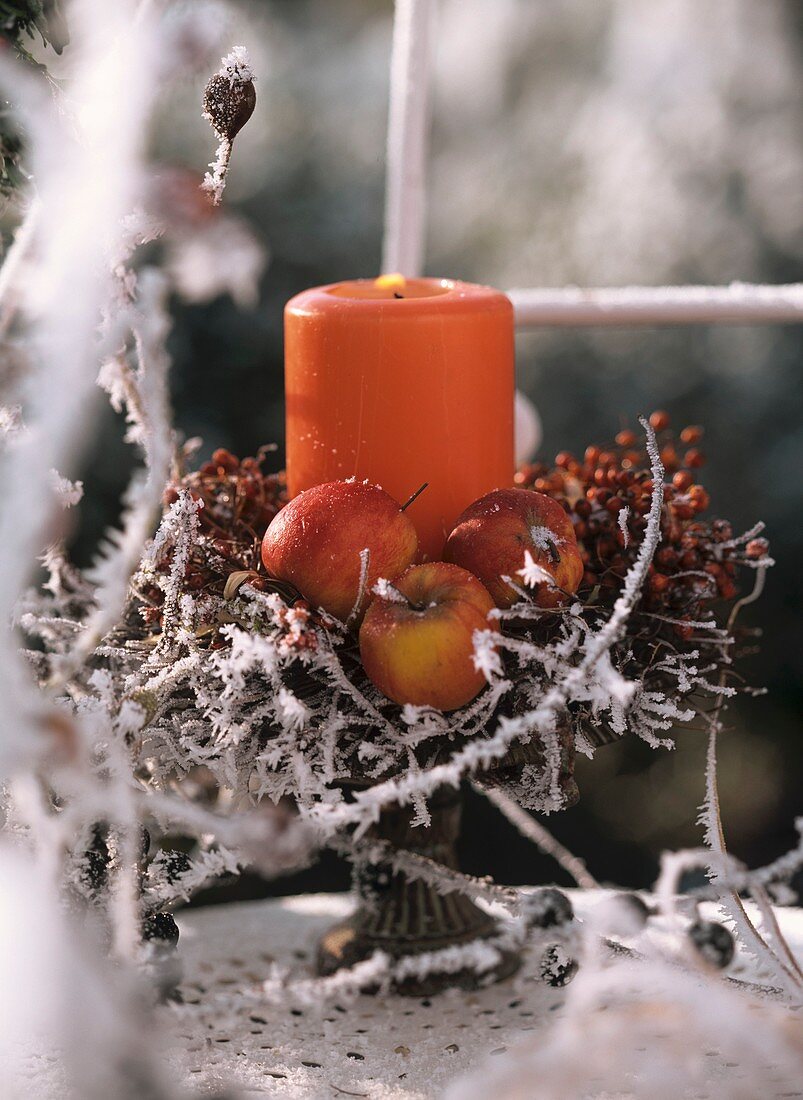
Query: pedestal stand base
[344,945]
[405,917]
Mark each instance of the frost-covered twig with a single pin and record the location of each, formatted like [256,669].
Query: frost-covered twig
[147,402]
[416,866]
[13,262]
[783,966]
[533,830]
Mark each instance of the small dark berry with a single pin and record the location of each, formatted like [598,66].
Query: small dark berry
[623,914]
[558,968]
[713,941]
[546,908]
[160,926]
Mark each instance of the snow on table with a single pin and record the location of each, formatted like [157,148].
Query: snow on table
[231,1036]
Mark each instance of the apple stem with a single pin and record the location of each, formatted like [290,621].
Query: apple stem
[552,551]
[395,594]
[415,496]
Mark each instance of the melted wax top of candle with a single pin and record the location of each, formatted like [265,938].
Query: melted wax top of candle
[390,287]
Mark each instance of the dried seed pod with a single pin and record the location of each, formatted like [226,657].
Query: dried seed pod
[546,908]
[622,914]
[714,942]
[228,104]
[229,101]
[558,968]
[160,927]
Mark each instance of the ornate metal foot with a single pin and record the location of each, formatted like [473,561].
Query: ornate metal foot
[405,917]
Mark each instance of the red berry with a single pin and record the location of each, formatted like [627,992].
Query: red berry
[659,420]
[226,459]
[756,548]
[669,458]
[727,589]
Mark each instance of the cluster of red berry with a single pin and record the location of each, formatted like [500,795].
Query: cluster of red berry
[239,501]
[608,493]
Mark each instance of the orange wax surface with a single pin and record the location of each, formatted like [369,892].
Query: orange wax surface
[402,381]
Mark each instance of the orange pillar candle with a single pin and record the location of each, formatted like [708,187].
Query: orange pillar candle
[402,381]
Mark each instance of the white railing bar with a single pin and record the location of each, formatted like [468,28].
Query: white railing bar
[738,303]
[408,131]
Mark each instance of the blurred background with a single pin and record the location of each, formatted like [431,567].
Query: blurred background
[600,143]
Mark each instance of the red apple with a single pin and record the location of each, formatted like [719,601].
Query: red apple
[491,536]
[316,542]
[416,641]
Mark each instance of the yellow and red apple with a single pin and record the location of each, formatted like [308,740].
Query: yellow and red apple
[417,637]
[491,536]
[317,543]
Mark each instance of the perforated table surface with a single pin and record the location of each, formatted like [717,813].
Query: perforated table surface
[236,1036]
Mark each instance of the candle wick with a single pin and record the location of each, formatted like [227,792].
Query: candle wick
[397,295]
[415,496]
